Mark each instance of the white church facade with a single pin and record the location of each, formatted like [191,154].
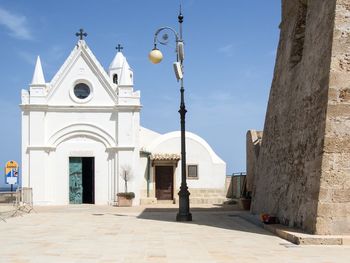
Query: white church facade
[81,131]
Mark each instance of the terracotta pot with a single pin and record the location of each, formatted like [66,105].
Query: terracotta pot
[123,201]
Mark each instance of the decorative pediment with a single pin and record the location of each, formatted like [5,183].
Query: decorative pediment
[80,60]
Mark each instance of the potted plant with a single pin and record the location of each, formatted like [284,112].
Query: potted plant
[125,198]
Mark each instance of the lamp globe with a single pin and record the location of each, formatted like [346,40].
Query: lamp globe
[155,56]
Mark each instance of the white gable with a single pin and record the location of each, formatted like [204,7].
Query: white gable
[82,67]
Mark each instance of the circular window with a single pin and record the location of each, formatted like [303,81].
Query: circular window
[81,91]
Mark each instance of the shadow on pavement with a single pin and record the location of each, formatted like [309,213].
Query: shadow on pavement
[236,220]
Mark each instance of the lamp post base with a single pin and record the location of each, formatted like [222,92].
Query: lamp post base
[184,217]
[184,206]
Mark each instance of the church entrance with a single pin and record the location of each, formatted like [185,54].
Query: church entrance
[164,182]
[81,180]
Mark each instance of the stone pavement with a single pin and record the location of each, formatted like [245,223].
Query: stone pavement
[88,233]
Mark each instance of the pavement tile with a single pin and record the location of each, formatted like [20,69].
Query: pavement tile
[149,234]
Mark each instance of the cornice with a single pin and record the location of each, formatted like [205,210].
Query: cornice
[79,108]
[121,148]
[47,148]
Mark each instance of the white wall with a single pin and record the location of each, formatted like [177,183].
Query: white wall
[58,173]
[147,136]
[211,169]
[24,144]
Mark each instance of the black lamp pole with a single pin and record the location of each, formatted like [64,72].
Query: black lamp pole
[156,56]
[184,195]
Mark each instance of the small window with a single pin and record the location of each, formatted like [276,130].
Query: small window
[81,91]
[115,78]
[192,171]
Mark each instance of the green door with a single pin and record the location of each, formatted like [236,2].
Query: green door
[75,180]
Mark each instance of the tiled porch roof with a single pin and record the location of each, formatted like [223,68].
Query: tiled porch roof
[165,157]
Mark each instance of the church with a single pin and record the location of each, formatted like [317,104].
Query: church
[81,136]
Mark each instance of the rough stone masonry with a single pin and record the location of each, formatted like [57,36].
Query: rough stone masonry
[303,170]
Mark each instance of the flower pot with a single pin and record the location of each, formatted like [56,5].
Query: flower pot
[123,201]
[246,203]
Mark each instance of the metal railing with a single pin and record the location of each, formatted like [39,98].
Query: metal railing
[239,174]
[8,189]
[235,188]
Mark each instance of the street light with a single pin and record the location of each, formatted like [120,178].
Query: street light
[156,57]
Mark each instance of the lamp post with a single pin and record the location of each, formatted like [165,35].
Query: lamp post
[156,56]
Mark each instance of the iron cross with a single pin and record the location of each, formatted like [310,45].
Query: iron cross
[81,34]
[119,48]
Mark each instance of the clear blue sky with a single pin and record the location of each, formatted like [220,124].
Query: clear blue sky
[230,53]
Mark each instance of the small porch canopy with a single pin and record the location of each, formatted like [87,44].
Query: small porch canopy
[165,158]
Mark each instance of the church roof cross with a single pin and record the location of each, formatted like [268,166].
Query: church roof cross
[81,34]
[119,48]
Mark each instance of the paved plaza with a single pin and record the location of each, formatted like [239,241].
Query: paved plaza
[88,233]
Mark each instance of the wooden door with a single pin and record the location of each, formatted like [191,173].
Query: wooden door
[164,182]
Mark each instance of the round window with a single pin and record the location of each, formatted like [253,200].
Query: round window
[81,91]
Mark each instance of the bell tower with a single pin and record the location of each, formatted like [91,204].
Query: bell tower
[119,70]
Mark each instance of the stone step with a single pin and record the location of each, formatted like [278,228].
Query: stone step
[206,195]
[165,202]
[206,200]
[208,191]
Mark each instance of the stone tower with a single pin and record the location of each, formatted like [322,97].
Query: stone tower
[303,170]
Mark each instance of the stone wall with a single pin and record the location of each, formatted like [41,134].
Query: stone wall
[334,199]
[253,143]
[302,174]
